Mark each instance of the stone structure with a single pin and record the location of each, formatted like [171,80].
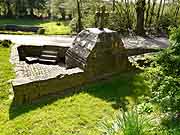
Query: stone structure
[50,69]
[94,54]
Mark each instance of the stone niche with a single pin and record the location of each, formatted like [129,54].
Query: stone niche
[94,54]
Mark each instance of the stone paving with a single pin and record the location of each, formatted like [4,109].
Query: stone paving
[36,71]
[145,42]
[130,42]
[40,71]
[38,39]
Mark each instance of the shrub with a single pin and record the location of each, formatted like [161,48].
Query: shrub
[164,76]
[166,21]
[58,23]
[89,21]
[41,31]
[5,43]
[117,23]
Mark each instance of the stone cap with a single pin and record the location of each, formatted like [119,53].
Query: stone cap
[86,42]
[99,31]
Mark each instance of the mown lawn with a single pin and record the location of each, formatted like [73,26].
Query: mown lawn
[50,26]
[79,114]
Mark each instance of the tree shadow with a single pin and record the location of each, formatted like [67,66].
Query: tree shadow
[114,90]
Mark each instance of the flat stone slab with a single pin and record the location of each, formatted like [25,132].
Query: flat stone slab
[145,42]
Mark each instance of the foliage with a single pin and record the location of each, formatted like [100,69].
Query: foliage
[22,8]
[5,43]
[117,23]
[164,76]
[166,21]
[145,107]
[128,123]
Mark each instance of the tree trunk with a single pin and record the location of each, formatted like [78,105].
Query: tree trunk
[176,13]
[140,8]
[158,13]
[113,8]
[152,12]
[9,12]
[162,12]
[32,12]
[147,12]
[127,13]
[79,25]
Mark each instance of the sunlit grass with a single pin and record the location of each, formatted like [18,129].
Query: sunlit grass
[79,114]
[51,27]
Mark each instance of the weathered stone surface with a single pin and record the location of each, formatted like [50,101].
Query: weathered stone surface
[97,51]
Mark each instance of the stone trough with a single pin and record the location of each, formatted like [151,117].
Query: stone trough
[44,70]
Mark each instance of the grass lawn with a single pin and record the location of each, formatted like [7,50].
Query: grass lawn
[50,26]
[79,114]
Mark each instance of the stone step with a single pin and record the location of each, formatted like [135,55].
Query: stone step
[49,52]
[46,61]
[31,60]
[49,57]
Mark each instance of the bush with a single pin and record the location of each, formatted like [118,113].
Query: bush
[164,76]
[117,23]
[41,31]
[89,21]
[58,23]
[166,21]
[5,43]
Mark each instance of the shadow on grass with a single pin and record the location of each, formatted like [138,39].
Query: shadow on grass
[113,90]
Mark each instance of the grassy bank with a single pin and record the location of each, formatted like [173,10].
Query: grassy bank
[79,114]
[50,26]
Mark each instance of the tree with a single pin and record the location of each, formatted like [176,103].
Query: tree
[177,10]
[147,12]
[152,12]
[140,8]
[127,13]
[79,28]
[158,14]
[8,7]
[162,12]
[113,8]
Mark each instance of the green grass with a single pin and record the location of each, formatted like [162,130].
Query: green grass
[50,26]
[79,114]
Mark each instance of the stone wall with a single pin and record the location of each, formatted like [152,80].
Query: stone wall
[28,92]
